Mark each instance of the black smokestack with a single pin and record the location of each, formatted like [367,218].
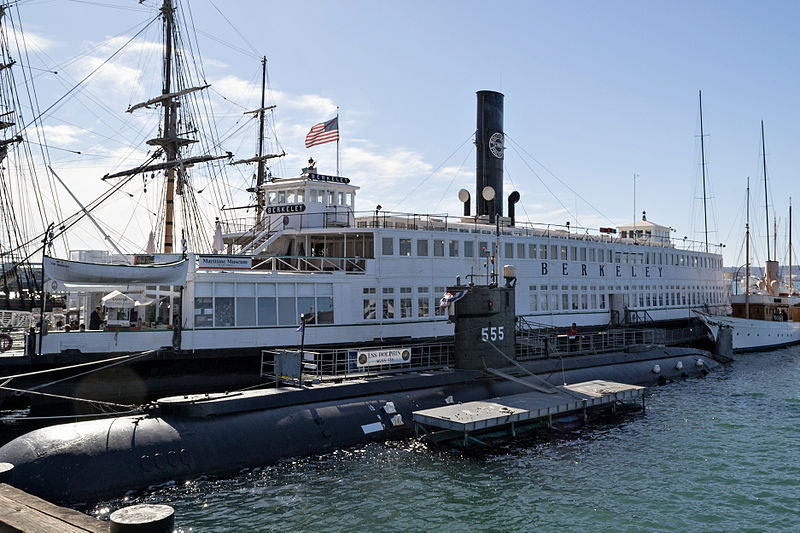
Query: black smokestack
[489,162]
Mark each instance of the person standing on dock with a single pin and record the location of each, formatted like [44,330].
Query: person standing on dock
[94,319]
[573,338]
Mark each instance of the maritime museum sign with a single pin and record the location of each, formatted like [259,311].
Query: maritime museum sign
[223,262]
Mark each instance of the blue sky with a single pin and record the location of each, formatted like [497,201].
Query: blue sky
[595,92]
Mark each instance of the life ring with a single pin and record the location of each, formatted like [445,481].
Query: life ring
[6,342]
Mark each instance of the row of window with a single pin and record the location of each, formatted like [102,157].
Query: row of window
[584,254]
[219,304]
[569,298]
[405,304]
[323,196]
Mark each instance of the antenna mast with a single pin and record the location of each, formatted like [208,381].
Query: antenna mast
[766,199]
[703,160]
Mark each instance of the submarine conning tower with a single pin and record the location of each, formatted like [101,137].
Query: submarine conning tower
[489,143]
[484,326]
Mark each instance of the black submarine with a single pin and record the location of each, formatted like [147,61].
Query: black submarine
[213,434]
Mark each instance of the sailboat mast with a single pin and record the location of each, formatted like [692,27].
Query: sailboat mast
[747,255]
[169,132]
[790,246]
[260,173]
[766,199]
[703,163]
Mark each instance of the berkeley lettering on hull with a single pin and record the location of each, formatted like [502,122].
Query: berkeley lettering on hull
[224,262]
[383,357]
[290,208]
[566,270]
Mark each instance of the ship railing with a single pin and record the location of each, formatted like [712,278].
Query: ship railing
[476,224]
[351,363]
[543,344]
[296,263]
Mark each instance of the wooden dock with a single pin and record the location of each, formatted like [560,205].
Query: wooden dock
[20,511]
[507,414]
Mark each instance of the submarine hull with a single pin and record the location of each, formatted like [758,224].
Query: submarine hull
[79,461]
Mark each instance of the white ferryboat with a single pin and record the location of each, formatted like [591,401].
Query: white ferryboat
[377,277]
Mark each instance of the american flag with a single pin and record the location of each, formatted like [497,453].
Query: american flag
[322,133]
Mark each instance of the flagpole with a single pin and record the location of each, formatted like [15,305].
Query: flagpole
[337,140]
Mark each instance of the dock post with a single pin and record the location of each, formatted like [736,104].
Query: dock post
[144,518]
[6,473]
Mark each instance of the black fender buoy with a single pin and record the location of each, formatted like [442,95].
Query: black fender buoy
[6,473]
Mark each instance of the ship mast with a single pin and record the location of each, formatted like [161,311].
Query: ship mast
[260,171]
[766,199]
[261,158]
[169,144]
[703,163]
[747,255]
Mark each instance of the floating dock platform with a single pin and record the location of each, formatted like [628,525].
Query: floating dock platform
[506,415]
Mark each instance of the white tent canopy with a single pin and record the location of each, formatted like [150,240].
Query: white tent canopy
[118,300]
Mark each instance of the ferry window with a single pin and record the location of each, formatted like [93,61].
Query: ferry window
[324,310]
[203,311]
[423,302]
[301,195]
[350,199]
[405,247]
[281,197]
[553,302]
[453,248]
[583,254]
[592,254]
[543,302]
[573,253]
[369,308]
[520,251]
[564,301]
[245,304]
[532,251]
[542,251]
[405,307]
[437,309]
[388,246]
[267,313]
[574,301]
[563,253]
[331,197]
[584,301]
[290,196]
[438,247]
[287,314]
[469,248]
[422,248]
[341,199]
[593,301]
[661,299]
[388,302]
[306,306]
[223,305]
[617,257]
[554,251]
[602,301]
[509,250]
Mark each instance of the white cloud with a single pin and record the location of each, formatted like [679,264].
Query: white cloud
[62,135]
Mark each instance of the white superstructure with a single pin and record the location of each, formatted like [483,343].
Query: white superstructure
[378,277]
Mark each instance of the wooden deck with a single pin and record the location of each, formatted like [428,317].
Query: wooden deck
[20,511]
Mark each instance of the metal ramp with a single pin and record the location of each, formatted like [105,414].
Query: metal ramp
[461,424]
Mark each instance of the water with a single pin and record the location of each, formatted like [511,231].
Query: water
[713,454]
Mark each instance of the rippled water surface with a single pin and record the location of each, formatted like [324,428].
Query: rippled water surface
[715,454]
